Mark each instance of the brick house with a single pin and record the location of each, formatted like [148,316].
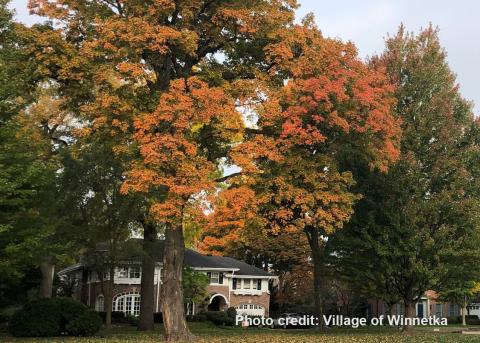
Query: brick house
[233,283]
[427,306]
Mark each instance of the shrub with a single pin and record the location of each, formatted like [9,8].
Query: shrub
[87,324]
[41,318]
[219,318]
[452,320]
[471,320]
[232,313]
[48,317]
[69,309]
[117,317]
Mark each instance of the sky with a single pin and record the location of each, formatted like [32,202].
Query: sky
[368,22]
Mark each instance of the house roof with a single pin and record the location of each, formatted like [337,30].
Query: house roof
[192,258]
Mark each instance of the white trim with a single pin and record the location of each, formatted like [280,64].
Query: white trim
[237,276]
[220,295]
[215,269]
[158,287]
[70,269]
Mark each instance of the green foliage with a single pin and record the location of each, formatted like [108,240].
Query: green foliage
[54,317]
[231,312]
[454,320]
[219,318]
[87,324]
[416,227]
[194,285]
[41,318]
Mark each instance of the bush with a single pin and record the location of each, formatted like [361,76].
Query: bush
[471,320]
[41,318]
[232,313]
[219,318]
[69,309]
[87,324]
[117,317]
[452,320]
[47,318]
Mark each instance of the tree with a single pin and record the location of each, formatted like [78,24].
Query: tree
[417,224]
[234,229]
[91,181]
[321,104]
[194,286]
[30,140]
[117,61]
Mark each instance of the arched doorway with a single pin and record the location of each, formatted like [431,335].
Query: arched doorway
[218,302]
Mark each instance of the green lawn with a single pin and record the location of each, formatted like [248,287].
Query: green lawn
[208,333]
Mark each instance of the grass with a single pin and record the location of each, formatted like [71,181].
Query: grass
[208,333]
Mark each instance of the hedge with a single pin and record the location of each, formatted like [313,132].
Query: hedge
[54,317]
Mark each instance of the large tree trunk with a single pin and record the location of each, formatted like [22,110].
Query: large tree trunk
[147,299]
[409,313]
[172,289]
[47,270]
[317,258]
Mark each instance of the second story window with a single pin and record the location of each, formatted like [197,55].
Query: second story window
[134,272]
[214,277]
[122,272]
[247,283]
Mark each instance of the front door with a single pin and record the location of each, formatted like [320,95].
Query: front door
[420,310]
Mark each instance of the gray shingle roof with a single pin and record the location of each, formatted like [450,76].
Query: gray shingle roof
[192,259]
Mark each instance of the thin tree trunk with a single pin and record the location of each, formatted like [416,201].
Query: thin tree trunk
[464,311]
[317,258]
[409,313]
[172,290]
[47,270]
[108,298]
[147,298]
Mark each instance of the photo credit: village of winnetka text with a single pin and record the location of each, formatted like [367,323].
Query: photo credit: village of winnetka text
[340,320]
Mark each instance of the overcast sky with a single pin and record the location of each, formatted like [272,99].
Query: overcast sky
[367,22]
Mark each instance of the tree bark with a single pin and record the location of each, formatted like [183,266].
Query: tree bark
[409,313]
[172,289]
[108,297]
[47,270]
[317,258]
[464,311]
[147,293]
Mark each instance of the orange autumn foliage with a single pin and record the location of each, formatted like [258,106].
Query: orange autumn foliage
[170,143]
[319,103]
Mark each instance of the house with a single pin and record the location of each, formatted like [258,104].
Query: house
[427,306]
[233,283]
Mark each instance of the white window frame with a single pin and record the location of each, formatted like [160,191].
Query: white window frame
[128,303]
[100,303]
[134,270]
[213,278]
